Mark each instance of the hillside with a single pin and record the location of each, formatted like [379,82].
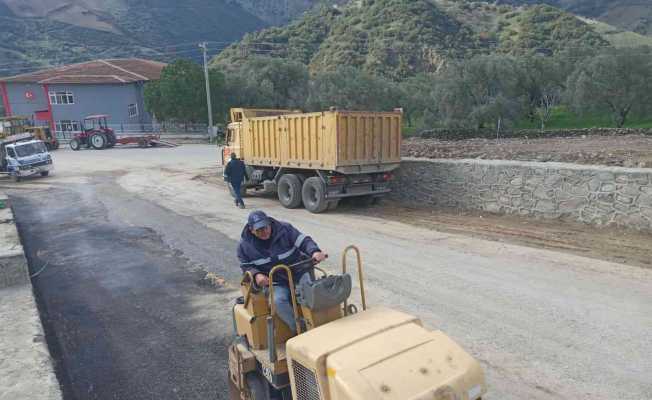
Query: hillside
[281,12]
[44,32]
[400,38]
[631,15]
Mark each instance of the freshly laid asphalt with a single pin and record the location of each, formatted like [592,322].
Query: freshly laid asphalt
[125,315]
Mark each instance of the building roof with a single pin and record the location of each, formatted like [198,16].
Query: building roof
[95,72]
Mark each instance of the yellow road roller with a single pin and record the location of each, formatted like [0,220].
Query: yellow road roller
[341,351]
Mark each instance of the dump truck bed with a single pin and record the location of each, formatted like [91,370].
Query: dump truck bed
[343,141]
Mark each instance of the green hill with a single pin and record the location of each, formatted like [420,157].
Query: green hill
[32,35]
[401,38]
[630,15]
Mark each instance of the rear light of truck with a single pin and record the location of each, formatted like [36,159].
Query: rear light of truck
[336,180]
[387,177]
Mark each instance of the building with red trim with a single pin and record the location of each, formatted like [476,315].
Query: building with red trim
[62,97]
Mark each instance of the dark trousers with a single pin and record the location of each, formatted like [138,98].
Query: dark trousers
[236,192]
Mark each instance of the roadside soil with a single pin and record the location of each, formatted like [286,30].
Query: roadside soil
[609,244]
[622,151]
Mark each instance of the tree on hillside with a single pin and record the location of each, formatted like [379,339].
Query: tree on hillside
[272,82]
[417,97]
[180,94]
[617,81]
[352,89]
[479,92]
[543,81]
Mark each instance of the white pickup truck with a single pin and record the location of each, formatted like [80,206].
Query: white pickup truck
[21,156]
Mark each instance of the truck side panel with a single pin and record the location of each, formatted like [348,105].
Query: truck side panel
[307,142]
[368,138]
[261,141]
[348,142]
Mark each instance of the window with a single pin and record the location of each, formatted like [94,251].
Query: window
[61,98]
[133,110]
[10,152]
[66,128]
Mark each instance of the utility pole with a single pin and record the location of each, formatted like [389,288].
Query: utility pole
[208,91]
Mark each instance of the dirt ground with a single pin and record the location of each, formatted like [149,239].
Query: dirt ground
[623,151]
[609,244]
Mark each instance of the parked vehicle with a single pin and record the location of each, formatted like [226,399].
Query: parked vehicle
[15,125]
[44,134]
[96,134]
[21,156]
[316,159]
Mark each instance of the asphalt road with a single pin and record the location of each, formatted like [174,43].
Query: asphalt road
[129,233]
[127,316]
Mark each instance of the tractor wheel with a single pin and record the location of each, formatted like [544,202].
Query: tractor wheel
[258,387]
[98,141]
[314,195]
[75,145]
[289,191]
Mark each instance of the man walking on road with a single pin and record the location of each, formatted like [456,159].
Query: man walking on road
[235,173]
[265,243]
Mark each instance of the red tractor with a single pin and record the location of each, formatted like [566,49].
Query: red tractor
[95,133]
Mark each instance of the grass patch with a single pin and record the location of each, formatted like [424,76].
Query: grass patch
[564,119]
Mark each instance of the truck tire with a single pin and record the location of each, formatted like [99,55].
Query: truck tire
[75,145]
[98,141]
[314,195]
[45,173]
[289,191]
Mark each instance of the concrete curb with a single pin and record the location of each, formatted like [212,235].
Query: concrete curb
[26,368]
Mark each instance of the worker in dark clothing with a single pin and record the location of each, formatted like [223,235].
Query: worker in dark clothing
[266,243]
[235,173]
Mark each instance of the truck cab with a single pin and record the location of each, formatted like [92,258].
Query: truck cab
[22,156]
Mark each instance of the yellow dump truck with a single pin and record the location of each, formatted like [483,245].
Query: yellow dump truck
[316,159]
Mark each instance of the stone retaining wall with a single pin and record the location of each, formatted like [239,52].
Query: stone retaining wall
[590,194]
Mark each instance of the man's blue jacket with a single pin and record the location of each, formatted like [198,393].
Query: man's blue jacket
[235,171]
[286,246]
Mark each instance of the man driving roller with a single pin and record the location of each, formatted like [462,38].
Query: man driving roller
[266,243]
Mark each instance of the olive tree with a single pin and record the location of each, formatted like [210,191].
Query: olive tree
[480,92]
[616,81]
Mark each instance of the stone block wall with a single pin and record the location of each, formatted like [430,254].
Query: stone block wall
[590,194]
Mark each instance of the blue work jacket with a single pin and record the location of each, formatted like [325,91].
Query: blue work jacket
[235,171]
[285,246]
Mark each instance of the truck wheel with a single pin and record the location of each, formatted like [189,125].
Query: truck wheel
[314,195]
[75,145]
[98,141]
[332,204]
[45,173]
[289,191]
[258,386]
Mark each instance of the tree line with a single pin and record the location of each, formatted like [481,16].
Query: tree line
[484,92]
